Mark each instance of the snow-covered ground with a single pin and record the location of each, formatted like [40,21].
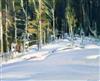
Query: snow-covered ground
[56,61]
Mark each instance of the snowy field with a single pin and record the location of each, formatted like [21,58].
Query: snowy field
[57,61]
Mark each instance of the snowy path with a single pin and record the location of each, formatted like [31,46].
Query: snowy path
[71,64]
[38,55]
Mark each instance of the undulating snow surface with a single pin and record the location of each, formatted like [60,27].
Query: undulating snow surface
[57,61]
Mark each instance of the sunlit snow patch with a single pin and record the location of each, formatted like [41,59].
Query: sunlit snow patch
[92,46]
[93,57]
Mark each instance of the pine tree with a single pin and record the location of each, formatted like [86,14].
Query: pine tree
[71,19]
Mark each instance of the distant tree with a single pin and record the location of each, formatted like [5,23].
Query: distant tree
[71,19]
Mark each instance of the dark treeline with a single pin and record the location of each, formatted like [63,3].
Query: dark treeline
[87,13]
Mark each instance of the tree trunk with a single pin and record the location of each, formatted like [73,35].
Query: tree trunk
[53,13]
[26,22]
[6,29]
[15,21]
[1,30]
[40,25]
